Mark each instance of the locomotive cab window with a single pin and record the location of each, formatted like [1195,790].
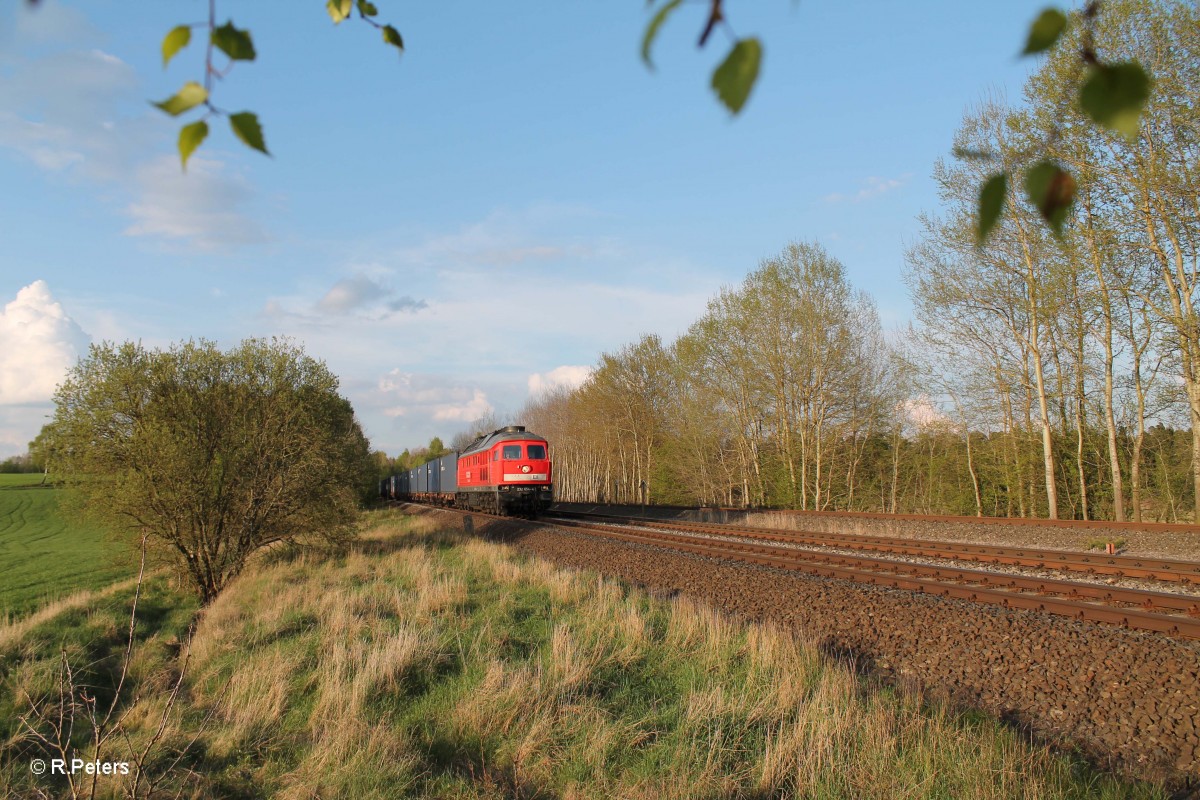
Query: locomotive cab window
[495,455]
[537,451]
[512,451]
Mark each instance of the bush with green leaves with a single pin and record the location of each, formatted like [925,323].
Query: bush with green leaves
[214,454]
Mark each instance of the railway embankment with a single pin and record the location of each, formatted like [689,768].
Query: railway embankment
[1130,701]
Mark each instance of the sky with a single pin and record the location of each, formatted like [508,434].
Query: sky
[459,228]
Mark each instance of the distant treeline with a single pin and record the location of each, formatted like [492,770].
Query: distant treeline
[385,465]
[20,464]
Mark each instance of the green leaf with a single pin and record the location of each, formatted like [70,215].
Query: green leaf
[367,9]
[234,43]
[338,9]
[191,95]
[991,204]
[1044,31]
[174,41]
[245,127]
[190,137]
[392,36]
[1114,95]
[736,75]
[653,27]
[1052,190]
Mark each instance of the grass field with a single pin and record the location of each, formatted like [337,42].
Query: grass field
[42,556]
[427,664]
[8,479]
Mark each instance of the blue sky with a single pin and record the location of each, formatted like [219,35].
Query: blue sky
[455,228]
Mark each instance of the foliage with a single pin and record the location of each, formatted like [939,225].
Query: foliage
[786,392]
[19,465]
[1112,94]
[769,398]
[216,455]
[1069,339]
[237,44]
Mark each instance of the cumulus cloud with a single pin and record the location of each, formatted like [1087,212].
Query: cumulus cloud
[39,342]
[566,377]
[348,294]
[922,413]
[430,396]
[472,409]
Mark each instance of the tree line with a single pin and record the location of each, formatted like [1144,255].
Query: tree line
[787,393]
[1048,374]
[1071,346]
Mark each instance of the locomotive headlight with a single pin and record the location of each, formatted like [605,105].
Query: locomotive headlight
[526,468]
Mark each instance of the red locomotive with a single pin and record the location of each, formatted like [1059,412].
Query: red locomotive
[507,471]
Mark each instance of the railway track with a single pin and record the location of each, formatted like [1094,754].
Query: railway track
[1155,569]
[1170,613]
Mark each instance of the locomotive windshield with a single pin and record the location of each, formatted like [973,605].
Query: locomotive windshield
[537,451]
[512,451]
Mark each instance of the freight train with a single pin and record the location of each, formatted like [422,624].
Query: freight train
[507,471]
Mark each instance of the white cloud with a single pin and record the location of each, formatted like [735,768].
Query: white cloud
[48,146]
[80,114]
[38,344]
[409,394]
[483,337]
[874,186]
[566,376]
[473,409]
[922,413]
[58,112]
[360,291]
[201,206]
[18,426]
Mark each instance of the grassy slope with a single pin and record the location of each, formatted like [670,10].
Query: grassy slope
[42,557]
[428,665]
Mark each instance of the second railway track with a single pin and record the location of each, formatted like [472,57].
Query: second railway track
[1156,569]
[1162,612]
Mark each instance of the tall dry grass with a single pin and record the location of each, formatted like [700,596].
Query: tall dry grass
[428,664]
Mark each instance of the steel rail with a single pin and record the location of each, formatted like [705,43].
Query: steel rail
[1160,569]
[1023,522]
[835,567]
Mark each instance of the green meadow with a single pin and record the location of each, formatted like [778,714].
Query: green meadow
[43,557]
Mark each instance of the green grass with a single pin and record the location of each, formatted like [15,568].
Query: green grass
[425,664]
[8,479]
[42,556]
